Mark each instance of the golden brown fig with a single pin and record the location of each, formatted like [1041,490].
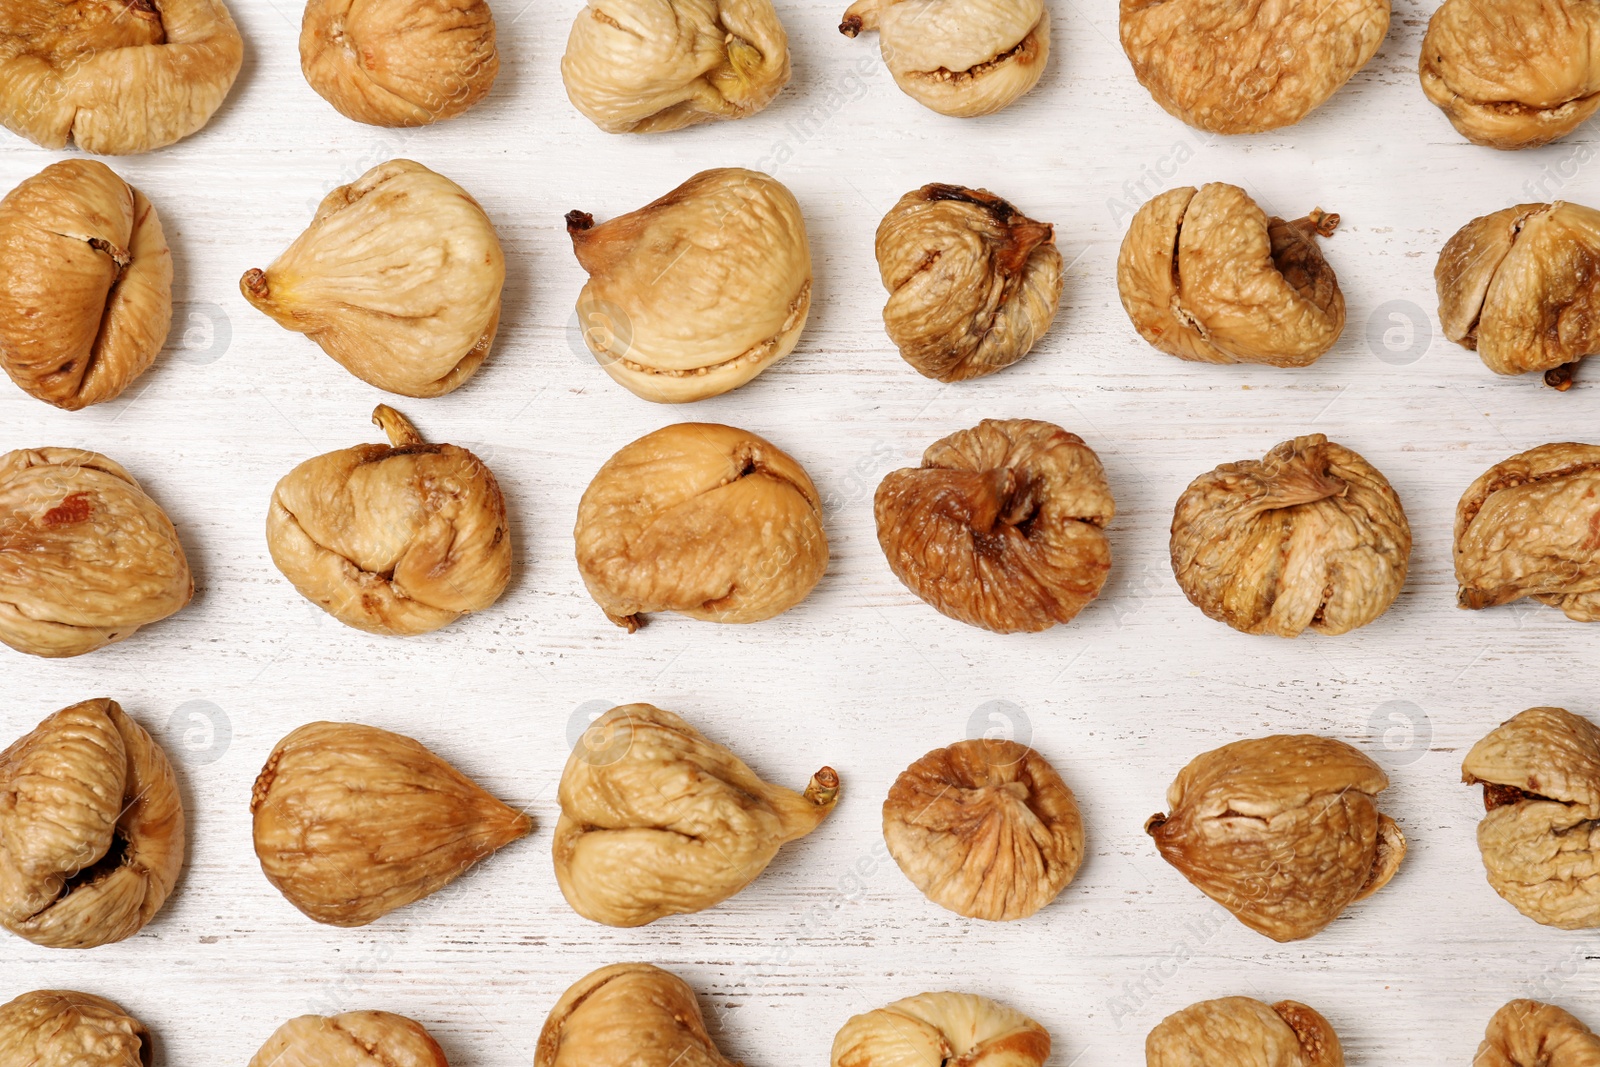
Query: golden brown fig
[1206,275]
[399,62]
[394,539]
[352,1039]
[959,57]
[708,521]
[86,558]
[1526,528]
[1311,536]
[1526,1033]
[1283,831]
[62,1028]
[646,66]
[658,820]
[352,822]
[115,76]
[91,829]
[973,283]
[700,291]
[941,1028]
[1002,526]
[85,284]
[1241,1032]
[985,828]
[398,278]
[627,1015]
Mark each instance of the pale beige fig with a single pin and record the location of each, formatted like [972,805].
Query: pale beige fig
[63,1028]
[1521,287]
[1003,525]
[86,558]
[1540,838]
[85,284]
[627,1015]
[704,520]
[1526,528]
[399,62]
[1229,67]
[985,828]
[973,283]
[647,66]
[1283,831]
[398,278]
[1526,1033]
[958,57]
[1515,73]
[1311,536]
[395,539]
[114,76]
[351,1039]
[658,820]
[1206,275]
[91,829]
[1242,1032]
[941,1028]
[698,292]
[352,822]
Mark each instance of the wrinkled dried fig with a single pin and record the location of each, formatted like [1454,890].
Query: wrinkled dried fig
[394,539]
[85,284]
[627,1015]
[1242,1032]
[985,828]
[398,278]
[960,58]
[115,76]
[658,820]
[86,558]
[352,1039]
[352,822]
[1309,536]
[1206,275]
[62,1028]
[1283,831]
[1521,287]
[941,1028]
[1002,526]
[1526,1033]
[91,829]
[708,521]
[973,283]
[700,291]
[1526,528]
[647,66]
[399,62]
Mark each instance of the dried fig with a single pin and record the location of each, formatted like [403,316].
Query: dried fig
[1526,1033]
[352,1039]
[1241,1032]
[1002,526]
[1206,275]
[627,1015]
[973,283]
[705,520]
[85,284]
[941,1028]
[352,822]
[962,58]
[61,1028]
[985,828]
[86,558]
[91,829]
[398,278]
[394,539]
[1309,536]
[115,76]
[1521,287]
[658,820]
[399,62]
[647,66]
[700,291]
[1526,528]
[1283,831]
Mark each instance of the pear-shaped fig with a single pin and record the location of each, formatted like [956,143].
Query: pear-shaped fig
[63,1028]
[351,1039]
[627,1015]
[1527,1033]
[1244,1032]
[941,1028]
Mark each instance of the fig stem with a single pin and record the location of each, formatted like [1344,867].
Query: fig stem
[579,221]
[850,26]
[399,428]
[823,789]
[1318,223]
[254,283]
[1560,378]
